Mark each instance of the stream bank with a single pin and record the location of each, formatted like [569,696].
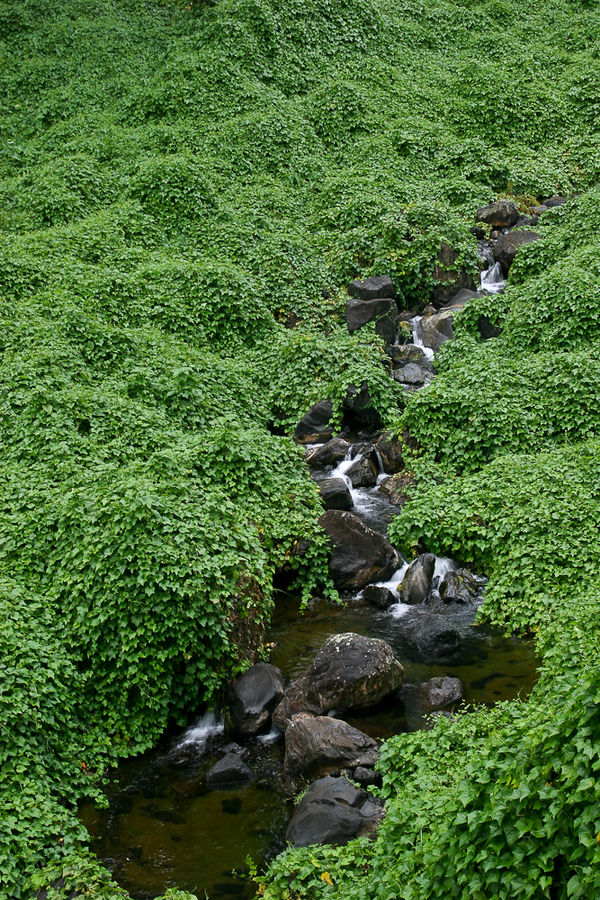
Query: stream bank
[164,827]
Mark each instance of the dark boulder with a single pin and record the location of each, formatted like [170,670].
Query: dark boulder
[358,410]
[437,327]
[501,214]
[508,245]
[390,449]
[441,691]
[253,697]
[412,374]
[359,555]
[229,772]
[551,202]
[366,777]
[349,672]
[372,288]
[322,745]
[333,811]
[335,494]
[459,586]
[450,277]
[364,470]
[382,311]
[313,426]
[416,583]
[379,596]
[328,454]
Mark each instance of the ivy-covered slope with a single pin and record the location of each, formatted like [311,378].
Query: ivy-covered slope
[177,183]
[503,803]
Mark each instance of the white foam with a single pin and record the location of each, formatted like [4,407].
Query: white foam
[197,735]
[416,336]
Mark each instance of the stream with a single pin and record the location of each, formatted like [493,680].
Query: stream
[164,828]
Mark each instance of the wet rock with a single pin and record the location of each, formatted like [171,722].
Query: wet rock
[231,771]
[253,697]
[372,288]
[333,811]
[349,672]
[313,426]
[501,214]
[401,354]
[412,374]
[366,777]
[459,587]
[438,327]
[450,276]
[364,471]
[551,202]
[358,411]
[416,583]
[441,691]
[382,311]
[322,745]
[508,245]
[359,555]
[463,297]
[390,449]
[328,454]
[335,494]
[379,596]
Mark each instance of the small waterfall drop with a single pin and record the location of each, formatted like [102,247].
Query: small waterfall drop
[197,735]
[415,327]
[492,279]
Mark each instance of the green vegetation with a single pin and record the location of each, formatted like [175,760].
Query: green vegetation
[178,182]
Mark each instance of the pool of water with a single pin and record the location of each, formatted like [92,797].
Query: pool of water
[164,828]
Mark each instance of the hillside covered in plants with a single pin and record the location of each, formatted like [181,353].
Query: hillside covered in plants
[185,192]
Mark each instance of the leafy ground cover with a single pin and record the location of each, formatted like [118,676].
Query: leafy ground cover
[178,183]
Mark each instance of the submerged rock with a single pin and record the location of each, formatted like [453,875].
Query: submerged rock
[230,771]
[441,691]
[335,494]
[359,555]
[333,811]
[253,697]
[372,288]
[320,745]
[416,583]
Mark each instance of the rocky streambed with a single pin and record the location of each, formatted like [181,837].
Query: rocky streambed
[340,679]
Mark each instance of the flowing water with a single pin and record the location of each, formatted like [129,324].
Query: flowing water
[163,827]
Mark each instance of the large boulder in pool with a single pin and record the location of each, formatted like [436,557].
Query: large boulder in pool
[322,745]
[253,697]
[416,583]
[460,586]
[359,555]
[349,672]
[333,811]
[435,641]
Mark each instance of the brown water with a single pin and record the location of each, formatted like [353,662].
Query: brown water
[163,828]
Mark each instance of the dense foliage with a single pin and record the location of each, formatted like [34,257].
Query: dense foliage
[178,183]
